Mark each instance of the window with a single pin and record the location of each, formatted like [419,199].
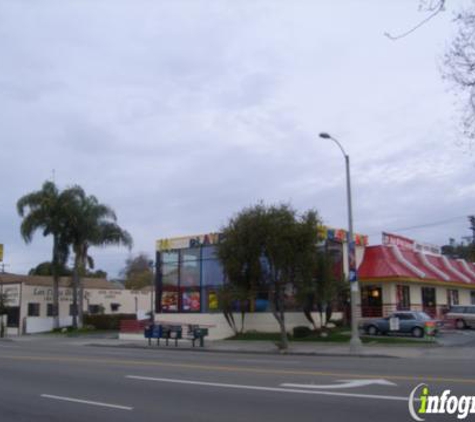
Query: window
[452,297]
[428,297]
[33,309]
[190,300]
[190,267]
[71,309]
[115,307]
[170,275]
[403,298]
[405,316]
[371,301]
[472,298]
[49,310]
[94,309]
[212,271]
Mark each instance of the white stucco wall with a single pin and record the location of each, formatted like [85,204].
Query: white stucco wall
[219,328]
[130,301]
[34,325]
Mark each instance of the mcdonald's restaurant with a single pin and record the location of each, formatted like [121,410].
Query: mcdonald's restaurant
[403,274]
[189,279]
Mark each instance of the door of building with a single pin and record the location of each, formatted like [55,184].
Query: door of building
[13,316]
[428,301]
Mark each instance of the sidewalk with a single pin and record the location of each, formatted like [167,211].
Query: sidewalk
[268,347]
[454,345]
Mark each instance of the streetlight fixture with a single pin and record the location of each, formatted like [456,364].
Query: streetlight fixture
[355,342]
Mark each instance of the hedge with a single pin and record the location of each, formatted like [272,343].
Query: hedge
[106,322]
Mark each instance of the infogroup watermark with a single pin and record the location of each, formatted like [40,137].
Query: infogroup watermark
[422,403]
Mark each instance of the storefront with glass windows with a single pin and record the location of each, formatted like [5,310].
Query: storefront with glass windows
[189,276]
[189,279]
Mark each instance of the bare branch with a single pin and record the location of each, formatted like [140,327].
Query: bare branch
[436,10]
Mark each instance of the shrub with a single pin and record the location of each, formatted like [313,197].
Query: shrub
[106,322]
[301,331]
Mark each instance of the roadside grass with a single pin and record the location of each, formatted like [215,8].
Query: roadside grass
[336,335]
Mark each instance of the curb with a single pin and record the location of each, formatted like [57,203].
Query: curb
[245,352]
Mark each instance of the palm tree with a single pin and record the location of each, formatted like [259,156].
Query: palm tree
[49,210]
[94,224]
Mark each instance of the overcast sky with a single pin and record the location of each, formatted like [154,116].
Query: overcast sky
[179,113]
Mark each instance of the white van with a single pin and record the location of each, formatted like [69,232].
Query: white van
[464,316]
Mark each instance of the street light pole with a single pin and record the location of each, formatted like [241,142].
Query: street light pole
[355,342]
[152,290]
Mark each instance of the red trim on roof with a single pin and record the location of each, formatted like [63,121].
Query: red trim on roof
[379,262]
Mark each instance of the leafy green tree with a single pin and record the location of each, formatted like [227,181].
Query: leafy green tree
[270,248]
[49,210]
[46,269]
[464,249]
[240,255]
[96,274]
[91,224]
[3,311]
[138,272]
[329,286]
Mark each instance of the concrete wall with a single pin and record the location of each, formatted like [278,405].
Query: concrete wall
[441,296]
[219,328]
[133,302]
[130,301]
[464,297]
[34,325]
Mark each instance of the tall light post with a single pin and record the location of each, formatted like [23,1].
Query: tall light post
[152,290]
[355,342]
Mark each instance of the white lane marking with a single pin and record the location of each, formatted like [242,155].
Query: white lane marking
[93,403]
[273,389]
[346,384]
[265,361]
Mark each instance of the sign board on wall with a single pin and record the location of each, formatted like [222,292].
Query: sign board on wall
[406,243]
[12,292]
[188,241]
[324,233]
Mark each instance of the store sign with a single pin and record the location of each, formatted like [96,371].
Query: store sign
[340,235]
[400,241]
[406,243]
[324,233]
[188,241]
[12,293]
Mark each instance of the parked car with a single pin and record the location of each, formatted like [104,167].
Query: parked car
[463,316]
[410,322]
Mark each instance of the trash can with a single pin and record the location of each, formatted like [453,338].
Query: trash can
[430,328]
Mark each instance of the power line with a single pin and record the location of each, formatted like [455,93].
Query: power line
[423,226]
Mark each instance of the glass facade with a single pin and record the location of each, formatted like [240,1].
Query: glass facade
[189,280]
[403,298]
[170,273]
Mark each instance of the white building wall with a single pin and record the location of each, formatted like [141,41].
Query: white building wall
[132,302]
[464,297]
[219,328]
[441,296]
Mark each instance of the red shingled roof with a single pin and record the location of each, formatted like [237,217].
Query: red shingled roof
[380,262]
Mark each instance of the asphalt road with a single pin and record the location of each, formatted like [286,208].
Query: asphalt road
[62,380]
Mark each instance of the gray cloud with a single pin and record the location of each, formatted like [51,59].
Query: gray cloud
[178,114]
